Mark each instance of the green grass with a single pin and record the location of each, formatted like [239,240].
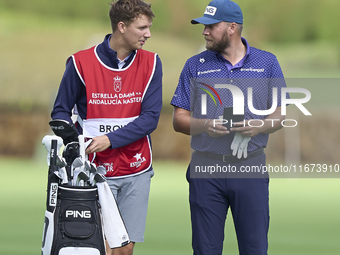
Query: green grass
[304,212]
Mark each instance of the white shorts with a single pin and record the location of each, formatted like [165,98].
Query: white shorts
[132,196]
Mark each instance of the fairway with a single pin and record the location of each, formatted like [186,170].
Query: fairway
[304,213]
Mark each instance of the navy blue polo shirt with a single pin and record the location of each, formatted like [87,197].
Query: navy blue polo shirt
[258,70]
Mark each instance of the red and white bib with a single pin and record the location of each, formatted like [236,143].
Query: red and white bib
[114,99]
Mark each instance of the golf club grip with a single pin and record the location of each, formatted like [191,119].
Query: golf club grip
[53,153]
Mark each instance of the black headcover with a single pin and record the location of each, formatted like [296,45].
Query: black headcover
[67,131]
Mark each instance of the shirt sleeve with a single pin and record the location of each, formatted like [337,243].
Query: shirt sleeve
[71,92]
[181,97]
[147,121]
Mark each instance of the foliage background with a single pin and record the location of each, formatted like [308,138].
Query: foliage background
[273,21]
[38,35]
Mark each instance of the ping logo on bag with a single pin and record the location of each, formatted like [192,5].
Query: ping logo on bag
[78,214]
[53,194]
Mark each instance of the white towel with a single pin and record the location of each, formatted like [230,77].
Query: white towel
[114,228]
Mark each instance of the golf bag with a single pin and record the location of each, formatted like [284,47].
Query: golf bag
[75,221]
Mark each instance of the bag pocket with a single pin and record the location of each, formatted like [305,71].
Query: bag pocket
[77,221]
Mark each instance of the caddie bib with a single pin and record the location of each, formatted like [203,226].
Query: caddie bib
[114,99]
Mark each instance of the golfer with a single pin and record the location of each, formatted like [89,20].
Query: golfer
[199,103]
[117,90]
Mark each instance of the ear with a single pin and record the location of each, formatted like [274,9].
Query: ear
[121,27]
[232,28]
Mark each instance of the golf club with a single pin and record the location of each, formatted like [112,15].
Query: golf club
[46,141]
[82,178]
[98,177]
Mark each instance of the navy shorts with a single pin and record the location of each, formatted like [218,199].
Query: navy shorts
[210,200]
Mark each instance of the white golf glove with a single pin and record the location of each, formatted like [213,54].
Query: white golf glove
[239,145]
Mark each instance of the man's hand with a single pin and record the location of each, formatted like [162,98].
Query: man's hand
[184,123]
[251,128]
[246,130]
[99,143]
[214,129]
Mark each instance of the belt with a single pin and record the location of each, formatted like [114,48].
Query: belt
[228,158]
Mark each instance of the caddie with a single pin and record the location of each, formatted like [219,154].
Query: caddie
[116,87]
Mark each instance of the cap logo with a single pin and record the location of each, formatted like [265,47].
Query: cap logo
[210,10]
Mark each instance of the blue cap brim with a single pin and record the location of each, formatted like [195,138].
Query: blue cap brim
[205,21]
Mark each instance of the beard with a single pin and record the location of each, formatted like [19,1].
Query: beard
[220,45]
